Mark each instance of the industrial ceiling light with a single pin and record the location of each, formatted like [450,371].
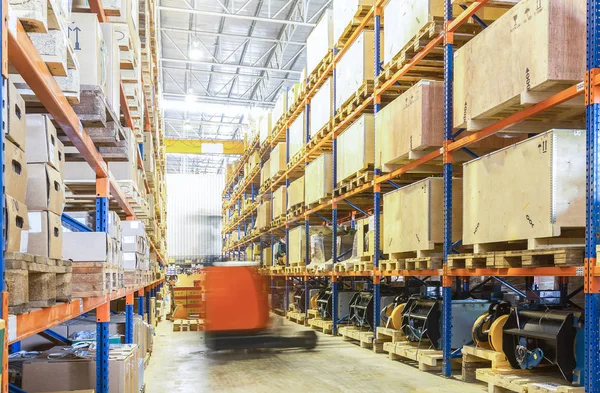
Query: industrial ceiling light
[190,98]
[195,54]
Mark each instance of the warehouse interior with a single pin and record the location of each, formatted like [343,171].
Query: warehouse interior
[269,195]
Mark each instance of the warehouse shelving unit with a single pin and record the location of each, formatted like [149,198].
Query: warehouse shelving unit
[17,47]
[589,270]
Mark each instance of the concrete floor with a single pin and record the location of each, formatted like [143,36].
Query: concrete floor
[179,364]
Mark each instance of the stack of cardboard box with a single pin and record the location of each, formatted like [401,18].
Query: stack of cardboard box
[136,251]
[15,174]
[45,197]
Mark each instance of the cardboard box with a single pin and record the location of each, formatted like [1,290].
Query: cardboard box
[16,130]
[16,225]
[86,36]
[42,141]
[133,227]
[60,147]
[114,225]
[131,261]
[133,243]
[45,234]
[15,171]
[45,190]
[87,247]
[177,292]
[78,171]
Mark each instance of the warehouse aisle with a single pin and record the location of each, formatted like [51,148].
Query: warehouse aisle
[179,364]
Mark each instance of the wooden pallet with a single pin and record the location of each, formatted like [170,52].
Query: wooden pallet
[363,266]
[476,357]
[346,266]
[357,335]
[390,335]
[181,325]
[362,177]
[35,281]
[318,136]
[321,201]
[92,279]
[323,326]
[295,211]
[426,359]
[570,256]
[298,317]
[528,382]
[319,71]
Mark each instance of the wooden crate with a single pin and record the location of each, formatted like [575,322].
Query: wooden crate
[548,172]
[263,215]
[355,68]
[355,149]
[267,256]
[277,164]
[414,217]
[365,235]
[297,247]
[296,193]
[279,111]
[319,41]
[321,108]
[279,202]
[265,172]
[320,186]
[297,134]
[35,281]
[346,15]
[264,126]
[532,34]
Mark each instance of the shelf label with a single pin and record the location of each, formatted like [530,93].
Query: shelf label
[580,86]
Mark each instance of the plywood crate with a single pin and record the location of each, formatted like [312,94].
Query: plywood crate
[263,215]
[253,160]
[355,68]
[344,12]
[531,191]
[320,174]
[533,35]
[355,148]
[321,107]
[365,235]
[278,163]
[265,172]
[296,192]
[414,216]
[267,256]
[298,134]
[280,109]
[279,202]
[319,41]
[297,247]
[264,126]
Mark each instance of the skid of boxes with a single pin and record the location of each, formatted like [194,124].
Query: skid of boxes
[67,368]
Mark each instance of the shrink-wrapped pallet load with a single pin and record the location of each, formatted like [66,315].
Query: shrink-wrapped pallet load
[414,216]
[546,196]
[355,148]
[319,173]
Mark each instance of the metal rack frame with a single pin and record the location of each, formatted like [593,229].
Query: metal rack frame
[590,87]
[17,47]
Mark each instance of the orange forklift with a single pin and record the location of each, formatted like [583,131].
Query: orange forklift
[237,310]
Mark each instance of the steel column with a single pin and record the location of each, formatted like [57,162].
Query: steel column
[102,352]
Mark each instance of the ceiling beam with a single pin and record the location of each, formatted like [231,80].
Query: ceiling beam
[279,78]
[236,16]
[227,35]
[237,124]
[223,100]
[208,63]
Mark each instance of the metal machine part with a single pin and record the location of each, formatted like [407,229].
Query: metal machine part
[325,304]
[421,320]
[300,298]
[482,328]
[532,337]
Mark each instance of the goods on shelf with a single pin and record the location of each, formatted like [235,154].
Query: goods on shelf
[90,49]
[280,109]
[42,141]
[263,215]
[345,16]
[297,134]
[267,256]
[321,107]
[355,148]
[279,202]
[532,34]
[16,225]
[53,47]
[277,161]
[264,126]
[45,189]
[265,171]
[113,76]
[296,193]
[414,216]
[320,41]
[364,242]
[355,69]
[546,197]
[320,174]
[15,131]
[45,234]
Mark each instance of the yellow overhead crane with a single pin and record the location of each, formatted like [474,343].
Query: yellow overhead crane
[199,146]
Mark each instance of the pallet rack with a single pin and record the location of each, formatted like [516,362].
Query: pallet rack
[17,47]
[590,87]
